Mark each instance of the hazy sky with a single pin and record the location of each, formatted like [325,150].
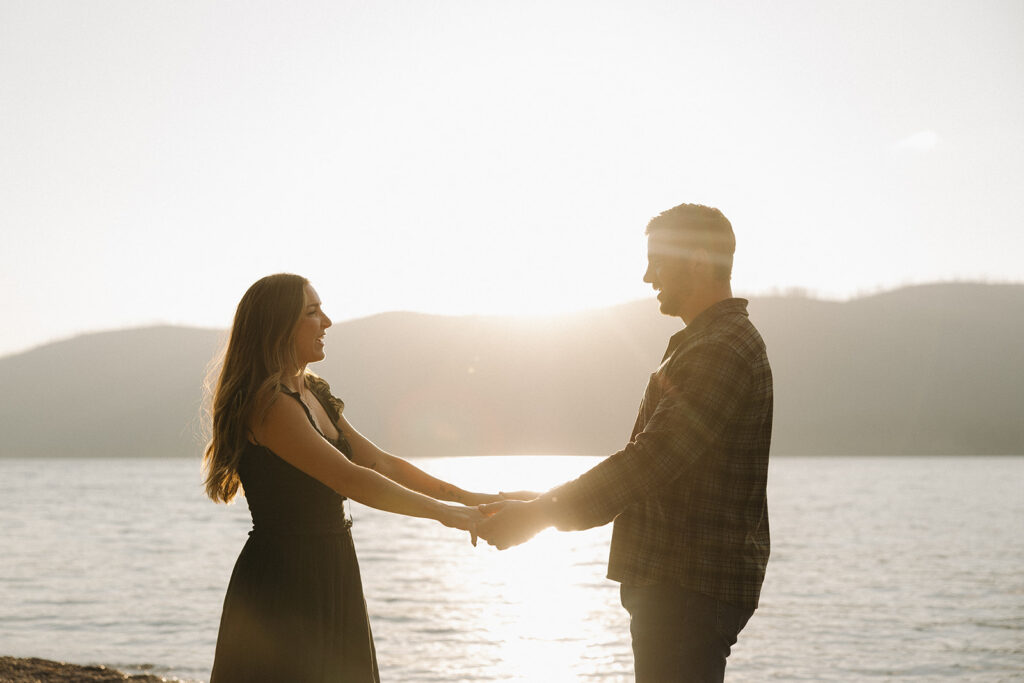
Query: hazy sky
[476,156]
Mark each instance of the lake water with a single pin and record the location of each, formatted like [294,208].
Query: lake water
[882,569]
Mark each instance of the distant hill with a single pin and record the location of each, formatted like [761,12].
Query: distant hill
[931,369]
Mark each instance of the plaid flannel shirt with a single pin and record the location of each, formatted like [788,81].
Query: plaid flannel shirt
[688,492]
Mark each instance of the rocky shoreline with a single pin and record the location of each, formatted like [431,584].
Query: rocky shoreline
[35,670]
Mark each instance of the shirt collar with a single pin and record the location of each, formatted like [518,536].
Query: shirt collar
[706,319]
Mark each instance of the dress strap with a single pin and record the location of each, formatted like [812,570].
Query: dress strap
[309,415]
[341,443]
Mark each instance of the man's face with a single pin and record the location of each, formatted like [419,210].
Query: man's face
[669,271]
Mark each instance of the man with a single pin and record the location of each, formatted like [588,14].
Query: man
[687,493]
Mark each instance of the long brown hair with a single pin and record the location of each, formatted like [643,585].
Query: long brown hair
[260,351]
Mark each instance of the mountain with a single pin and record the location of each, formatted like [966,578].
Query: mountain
[929,369]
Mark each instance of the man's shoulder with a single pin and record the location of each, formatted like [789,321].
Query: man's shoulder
[718,346]
[724,330]
[733,331]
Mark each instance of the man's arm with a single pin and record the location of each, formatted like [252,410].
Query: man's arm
[703,395]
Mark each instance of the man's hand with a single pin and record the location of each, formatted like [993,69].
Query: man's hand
[512,522]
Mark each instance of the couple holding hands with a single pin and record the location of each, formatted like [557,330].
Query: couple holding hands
[687,492]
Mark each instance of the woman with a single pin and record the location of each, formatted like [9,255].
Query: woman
[294,609]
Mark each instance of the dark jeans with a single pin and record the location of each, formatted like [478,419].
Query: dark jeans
[680,635]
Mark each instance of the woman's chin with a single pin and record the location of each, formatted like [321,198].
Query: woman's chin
[314,357]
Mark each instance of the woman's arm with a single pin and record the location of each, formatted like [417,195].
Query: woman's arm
[288,433]
[368,454]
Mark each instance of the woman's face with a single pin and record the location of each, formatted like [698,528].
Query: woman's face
[310,329]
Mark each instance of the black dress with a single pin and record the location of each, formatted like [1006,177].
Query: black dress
[294,609]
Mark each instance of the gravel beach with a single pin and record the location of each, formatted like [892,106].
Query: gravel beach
[33,670]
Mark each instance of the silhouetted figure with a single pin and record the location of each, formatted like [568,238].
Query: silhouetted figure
[294,609]
[687,493]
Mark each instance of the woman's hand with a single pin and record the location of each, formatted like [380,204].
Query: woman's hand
[461,517]
[513,522]
[470,498]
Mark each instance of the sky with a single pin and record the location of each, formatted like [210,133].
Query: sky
[470,156]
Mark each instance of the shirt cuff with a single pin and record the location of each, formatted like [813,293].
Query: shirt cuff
[569,509]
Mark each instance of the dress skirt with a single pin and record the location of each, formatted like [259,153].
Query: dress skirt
[295,611]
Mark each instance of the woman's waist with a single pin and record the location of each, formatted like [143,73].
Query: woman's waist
[309,520]
[321,527]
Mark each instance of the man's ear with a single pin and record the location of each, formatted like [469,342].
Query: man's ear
[701,262]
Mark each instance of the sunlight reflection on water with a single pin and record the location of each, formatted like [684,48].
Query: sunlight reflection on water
[539,612]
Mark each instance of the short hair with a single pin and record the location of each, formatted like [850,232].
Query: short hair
[696,226]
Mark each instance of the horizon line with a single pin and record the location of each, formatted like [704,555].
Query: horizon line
[795,292]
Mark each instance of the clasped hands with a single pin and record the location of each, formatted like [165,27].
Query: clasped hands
[514,518]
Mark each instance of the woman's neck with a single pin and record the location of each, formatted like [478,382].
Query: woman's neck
[297,381]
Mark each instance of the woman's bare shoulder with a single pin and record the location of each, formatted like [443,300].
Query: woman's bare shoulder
[283,413]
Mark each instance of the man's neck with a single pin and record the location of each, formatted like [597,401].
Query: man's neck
[704,299]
